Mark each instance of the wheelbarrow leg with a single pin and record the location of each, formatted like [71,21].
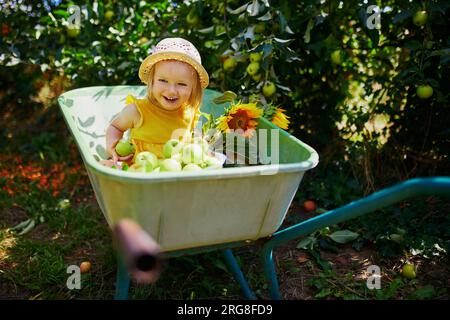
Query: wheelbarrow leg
[237,273]
[269,270]
[122,279]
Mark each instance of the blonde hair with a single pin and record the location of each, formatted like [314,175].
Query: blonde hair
[194,100]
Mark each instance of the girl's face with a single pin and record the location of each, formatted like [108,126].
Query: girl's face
[172,83]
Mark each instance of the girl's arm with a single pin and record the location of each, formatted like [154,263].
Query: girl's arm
[125,120]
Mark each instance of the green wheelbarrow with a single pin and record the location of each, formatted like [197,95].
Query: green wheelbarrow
[194,212]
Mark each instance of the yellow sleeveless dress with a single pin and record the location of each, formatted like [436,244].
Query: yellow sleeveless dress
[158,125]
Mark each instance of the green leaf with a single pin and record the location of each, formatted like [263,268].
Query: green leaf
[283,40]
[206,30]
[307,35]
[442,52]
[238,10]
[265,17]
[425,292]
[324,264]
[228,96]
[441,7]
[253,9]
[323,293]
[61,13]
[343,236]
[306,243]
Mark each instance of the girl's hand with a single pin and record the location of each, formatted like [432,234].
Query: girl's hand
[117,158]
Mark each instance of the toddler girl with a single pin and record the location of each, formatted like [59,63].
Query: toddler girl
[175,80]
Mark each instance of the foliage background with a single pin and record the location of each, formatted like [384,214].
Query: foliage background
[362,115]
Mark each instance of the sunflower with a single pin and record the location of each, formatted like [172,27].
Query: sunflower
[240,116]
[277,116]
[280,119]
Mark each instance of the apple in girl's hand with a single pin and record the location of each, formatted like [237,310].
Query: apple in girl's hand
[192,167]
[147,159]
[169,165]
[171,147]
[124,148]
[192,153]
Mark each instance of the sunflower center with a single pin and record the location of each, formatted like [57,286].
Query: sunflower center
[239,120]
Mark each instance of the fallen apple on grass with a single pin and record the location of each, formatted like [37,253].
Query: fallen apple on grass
[85,266]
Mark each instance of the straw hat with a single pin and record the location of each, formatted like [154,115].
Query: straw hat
[176,49]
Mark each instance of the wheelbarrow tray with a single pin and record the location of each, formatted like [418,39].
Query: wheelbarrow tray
[186,209]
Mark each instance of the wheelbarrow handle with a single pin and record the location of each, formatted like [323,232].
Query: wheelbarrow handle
[141,254]
[380,199]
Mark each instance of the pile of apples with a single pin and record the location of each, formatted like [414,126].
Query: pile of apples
[179,156]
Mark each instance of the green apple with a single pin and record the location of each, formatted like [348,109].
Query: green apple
[409,271]
[124,148]
[192,18]
[147,159]
[255,56]
[192,167]
[253,97]
[192,153]
[177,157]
[140,167]
[420,18]
[268,89]
[212,163]
[143,40]
[424,91]
[203,143]
[256,77]
[73,32]
[253,68]
[62,39]
[260,27]
[336,57]
[172,147]
[169,165]
[229,64]
[109,15]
